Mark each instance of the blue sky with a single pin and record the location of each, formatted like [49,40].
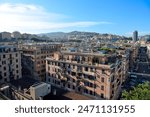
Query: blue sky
[104,16]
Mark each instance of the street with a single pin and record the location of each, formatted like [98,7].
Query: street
[143,65]
[140,71]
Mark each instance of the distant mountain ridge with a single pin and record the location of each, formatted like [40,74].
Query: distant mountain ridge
[79,35]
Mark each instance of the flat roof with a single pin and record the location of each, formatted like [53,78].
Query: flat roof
[38,84]
[7,46]
[85,54]
[62,94]
[24,83]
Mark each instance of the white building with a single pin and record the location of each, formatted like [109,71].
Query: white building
[16,35]
[39,90]
[5,35]
[35,92]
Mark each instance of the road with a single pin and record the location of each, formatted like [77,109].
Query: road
[143,65]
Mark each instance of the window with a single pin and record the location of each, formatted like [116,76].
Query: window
[103,71]
[74,80]
[16,60]
[79,68]
[10,56]
[68,85]
[48,68]
[58,82]
[69,72]
[90,85]
[112,92]
[16,55]
[16,66]
[4,68]
[95,86]
[63,85]
[112,78]
[48,62]
[37,62]
[83,58]
[56,70]
[4,56]
[10,61]
[86,91]
[86,83]
[68,58]
[58,64]
[91,92]
[49,74]
[102,79]
[85,75]
[86,68]
[68,79]
[38,72]
[3,62]
[92,69]
[73,74]
[5,74]
[73,87]
[102,87]
[102,95]
[42,71]
[15,49]
[91,77]
[5,80]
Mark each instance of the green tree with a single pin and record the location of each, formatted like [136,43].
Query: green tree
[140,92]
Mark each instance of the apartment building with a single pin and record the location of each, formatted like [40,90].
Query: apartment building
[133,54]
[16,35]
[5,35]
[125,55]
[92,74]
[10,63]
[33,58]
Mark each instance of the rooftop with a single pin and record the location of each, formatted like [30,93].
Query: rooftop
[65,95]
[83,54]
[24,83]
[7,46]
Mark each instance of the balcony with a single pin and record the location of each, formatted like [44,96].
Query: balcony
[63,79]
[80,83]
[79,70]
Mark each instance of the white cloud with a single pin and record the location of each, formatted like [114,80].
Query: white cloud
[35,19]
